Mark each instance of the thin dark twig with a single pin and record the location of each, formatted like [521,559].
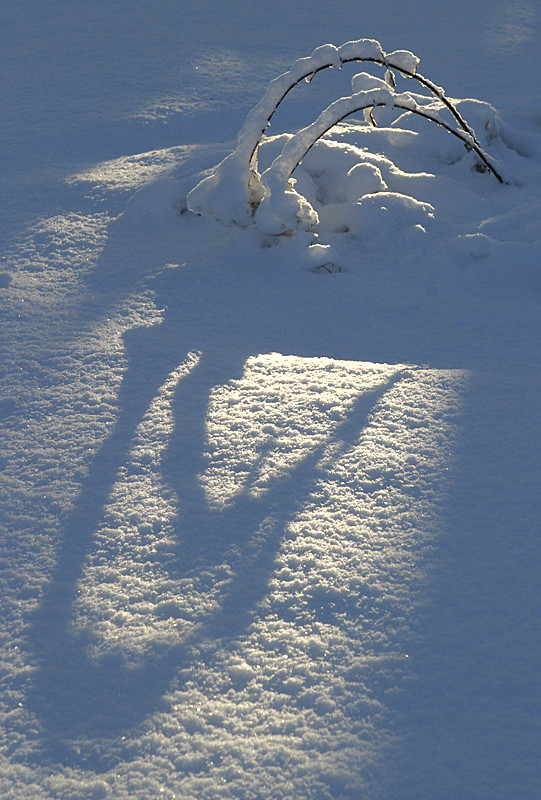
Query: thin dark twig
[435,90]
[469,145]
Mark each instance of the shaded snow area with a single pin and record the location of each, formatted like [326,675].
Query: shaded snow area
[270,506]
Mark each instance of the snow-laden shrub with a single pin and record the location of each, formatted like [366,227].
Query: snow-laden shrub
[237,194]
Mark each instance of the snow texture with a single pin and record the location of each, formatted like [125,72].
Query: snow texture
[270,504]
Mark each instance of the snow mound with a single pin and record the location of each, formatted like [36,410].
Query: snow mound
[365,217]
[401,188]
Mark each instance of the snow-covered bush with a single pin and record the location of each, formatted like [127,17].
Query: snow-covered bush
[237,194]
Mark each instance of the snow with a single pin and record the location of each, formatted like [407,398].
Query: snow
[403,60]
[270,503]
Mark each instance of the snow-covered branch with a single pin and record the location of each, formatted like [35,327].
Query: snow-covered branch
[282,209]
[234,190]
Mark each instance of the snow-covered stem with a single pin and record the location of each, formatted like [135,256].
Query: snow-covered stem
[414,108]
[238,172]
[282,209]
[437,91]
[383,61]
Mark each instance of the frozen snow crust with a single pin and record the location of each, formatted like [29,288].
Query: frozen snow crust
[269,511]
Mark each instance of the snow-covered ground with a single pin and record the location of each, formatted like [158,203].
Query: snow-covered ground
[270,504]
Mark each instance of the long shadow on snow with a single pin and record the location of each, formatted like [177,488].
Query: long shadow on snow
[76,697]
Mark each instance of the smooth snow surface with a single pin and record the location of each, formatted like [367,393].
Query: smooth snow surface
[270,503]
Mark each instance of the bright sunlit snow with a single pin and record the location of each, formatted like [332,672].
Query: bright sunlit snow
[270,414]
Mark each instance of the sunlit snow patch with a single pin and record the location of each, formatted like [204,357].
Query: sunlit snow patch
[323,493]
[263,427]
[319,473]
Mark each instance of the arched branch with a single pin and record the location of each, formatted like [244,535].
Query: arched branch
[282,207]
[465,137]
[306,68]
[238,171]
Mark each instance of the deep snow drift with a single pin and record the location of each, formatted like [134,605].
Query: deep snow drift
[270,507]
